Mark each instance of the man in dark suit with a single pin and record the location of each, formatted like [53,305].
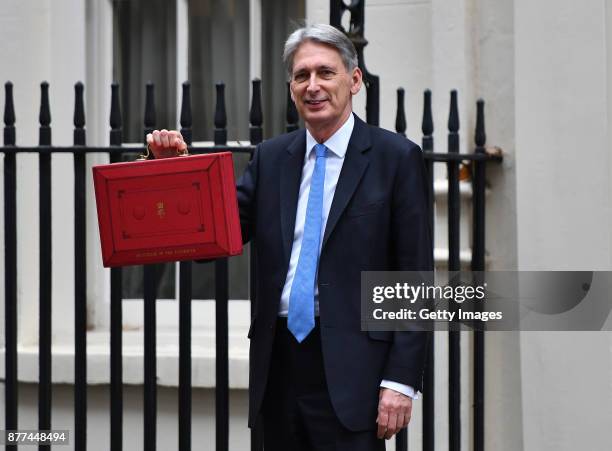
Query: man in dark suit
[322,205]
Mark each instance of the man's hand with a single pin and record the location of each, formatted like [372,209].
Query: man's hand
[394,411]
[164,143]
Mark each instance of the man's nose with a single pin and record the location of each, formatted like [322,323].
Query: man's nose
[313,82]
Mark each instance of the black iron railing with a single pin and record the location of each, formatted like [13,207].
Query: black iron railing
[452,159]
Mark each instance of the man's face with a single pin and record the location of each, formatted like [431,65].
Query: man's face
[321,87]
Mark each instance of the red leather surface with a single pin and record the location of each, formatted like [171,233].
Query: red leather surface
[181,208]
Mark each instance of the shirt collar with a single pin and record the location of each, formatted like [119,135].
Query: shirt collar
[338,142]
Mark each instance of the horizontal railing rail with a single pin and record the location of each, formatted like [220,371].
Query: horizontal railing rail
[475,163]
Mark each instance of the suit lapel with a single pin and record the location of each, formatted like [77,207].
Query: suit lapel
[289,177]
[355,164]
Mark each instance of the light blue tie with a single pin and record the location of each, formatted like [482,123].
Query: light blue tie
[300,318]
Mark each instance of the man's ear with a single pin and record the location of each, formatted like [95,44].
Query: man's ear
[356,80]
[291,91]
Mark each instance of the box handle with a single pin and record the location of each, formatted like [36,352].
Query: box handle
[145,156]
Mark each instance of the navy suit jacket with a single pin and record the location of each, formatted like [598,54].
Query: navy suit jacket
[378,221]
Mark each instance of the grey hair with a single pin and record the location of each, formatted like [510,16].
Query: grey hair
[324,34]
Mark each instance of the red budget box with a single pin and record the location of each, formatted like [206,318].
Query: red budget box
[171,209]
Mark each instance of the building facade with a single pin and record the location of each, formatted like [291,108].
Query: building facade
[545,71]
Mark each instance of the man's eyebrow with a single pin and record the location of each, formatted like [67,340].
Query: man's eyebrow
[318,68]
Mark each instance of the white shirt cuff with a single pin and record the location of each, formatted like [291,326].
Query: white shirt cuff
[401,388]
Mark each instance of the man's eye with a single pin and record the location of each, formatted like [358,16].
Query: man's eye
[327,73]
[300,77]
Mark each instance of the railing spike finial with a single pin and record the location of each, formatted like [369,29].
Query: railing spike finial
[9,115]
[256,114]
[115,116]
[453,116]
[480,137]
[427,126]
[291,113]
[186,116]
[149,114]
[79,108]
[79,115]
[44,117]
[356,34]
[115,112]
[400,116]
[453,124]
[220,115]
[9,107]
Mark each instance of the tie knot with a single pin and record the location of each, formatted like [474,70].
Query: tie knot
[320,150]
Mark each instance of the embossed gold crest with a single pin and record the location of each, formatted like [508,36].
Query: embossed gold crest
[161,211]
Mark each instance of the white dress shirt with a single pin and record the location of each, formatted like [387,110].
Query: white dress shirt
[337,145]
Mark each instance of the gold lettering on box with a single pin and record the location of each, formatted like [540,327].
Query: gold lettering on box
[168,252]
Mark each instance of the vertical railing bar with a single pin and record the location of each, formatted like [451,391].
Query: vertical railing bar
[255,113]
[401,438]
[150,367]
[116,360]
[454,364]
[150,296]
[427,128]
[116,316]
[291,114]
[221,305]
[185,293]
[256,136]
[45,262]
[80,277]
[10,265]
[478,264]
[400,115]
[184,417]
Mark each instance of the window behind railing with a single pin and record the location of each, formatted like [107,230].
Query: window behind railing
[218,48]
